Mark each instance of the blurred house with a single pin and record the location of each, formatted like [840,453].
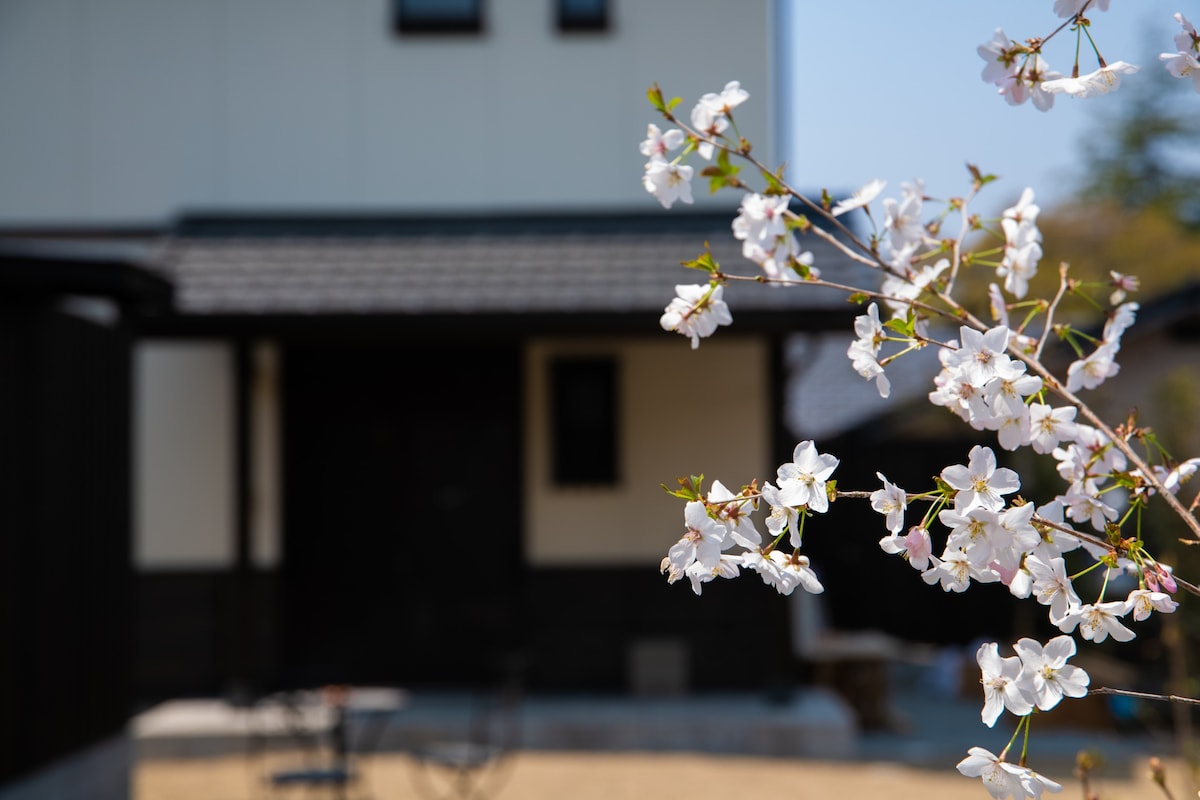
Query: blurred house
[409,413]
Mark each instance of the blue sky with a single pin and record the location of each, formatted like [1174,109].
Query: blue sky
[892,90]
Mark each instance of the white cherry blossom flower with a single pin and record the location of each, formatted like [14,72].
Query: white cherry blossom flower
[1102,81]
[734,512]
[903,220]
[668,181]
[1012,428]
[980,484]
[1183,64]
[867,365]
[1180,474]
[1083,504]
[1049,426]
[1035,783]
[1143,602]
[710,116]
[795,571]
[696,312]
[915,545]
[1001,779]
[1016,536]
[1051,586]
[1119,320]
[710,124]
[1090,372]
[1024,211]
[1000,687]
[908,283]
[729,98]
[658,143]
[783,572]
[782,517]
[802,480]
[890,501]
[1028,83]
[955,572]
[1098,621]
[1045,674]
[760,220]
[1122,285]
[1002,57]
[980,354]
[1069,8]
[699,574]
[860,198]
[1101,452]
[1022,252]
[1187,39]
[702,542]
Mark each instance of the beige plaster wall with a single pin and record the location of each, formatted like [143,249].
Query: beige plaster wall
[183,445]
[676,409]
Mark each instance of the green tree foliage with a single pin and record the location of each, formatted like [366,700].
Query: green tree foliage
[1147,155]
[1137,206]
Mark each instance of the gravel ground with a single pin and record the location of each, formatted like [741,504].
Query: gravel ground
[618,776]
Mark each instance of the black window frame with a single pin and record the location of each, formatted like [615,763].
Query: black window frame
[407,20]
[585,425]
[570,17]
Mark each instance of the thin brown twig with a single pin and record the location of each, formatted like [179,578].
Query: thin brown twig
[1165,698]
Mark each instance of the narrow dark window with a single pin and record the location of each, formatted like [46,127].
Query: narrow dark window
[582,15]
[583,407]
[438,16]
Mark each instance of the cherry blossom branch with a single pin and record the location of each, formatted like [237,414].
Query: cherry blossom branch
[744,154]
[851,290]
[1049,326]
[1091,538]
[1118,441]
[1166,698]
[958,312]
[873,263]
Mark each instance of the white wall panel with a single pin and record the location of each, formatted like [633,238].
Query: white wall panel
[131,111]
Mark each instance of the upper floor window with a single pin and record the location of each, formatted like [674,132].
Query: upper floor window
[584,425]
[438,16]
[582,15]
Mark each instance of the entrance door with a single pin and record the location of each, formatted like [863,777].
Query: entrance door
[401,558]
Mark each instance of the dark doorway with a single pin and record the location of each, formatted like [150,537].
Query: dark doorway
[402,550]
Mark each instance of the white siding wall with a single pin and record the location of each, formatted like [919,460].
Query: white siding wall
[670,397]
[130,111]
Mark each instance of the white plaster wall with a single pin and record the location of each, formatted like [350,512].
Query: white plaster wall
[130,111]
[670,400]
[184,455]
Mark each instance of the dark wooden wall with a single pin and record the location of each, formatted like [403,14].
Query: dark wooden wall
[65,575]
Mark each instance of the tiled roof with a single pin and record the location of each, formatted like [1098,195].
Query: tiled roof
[527,265]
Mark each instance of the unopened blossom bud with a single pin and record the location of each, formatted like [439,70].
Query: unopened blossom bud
[1168,580]
[1158,772]
[1151,578]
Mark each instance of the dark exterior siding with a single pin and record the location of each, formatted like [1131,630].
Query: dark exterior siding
[64,485]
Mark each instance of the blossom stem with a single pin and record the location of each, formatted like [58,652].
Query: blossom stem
[1025,743]
[1086,570]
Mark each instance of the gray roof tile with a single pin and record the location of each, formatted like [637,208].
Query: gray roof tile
[554,271]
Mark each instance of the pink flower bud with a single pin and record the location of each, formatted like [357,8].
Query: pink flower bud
[1151,578]
[1168,580]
